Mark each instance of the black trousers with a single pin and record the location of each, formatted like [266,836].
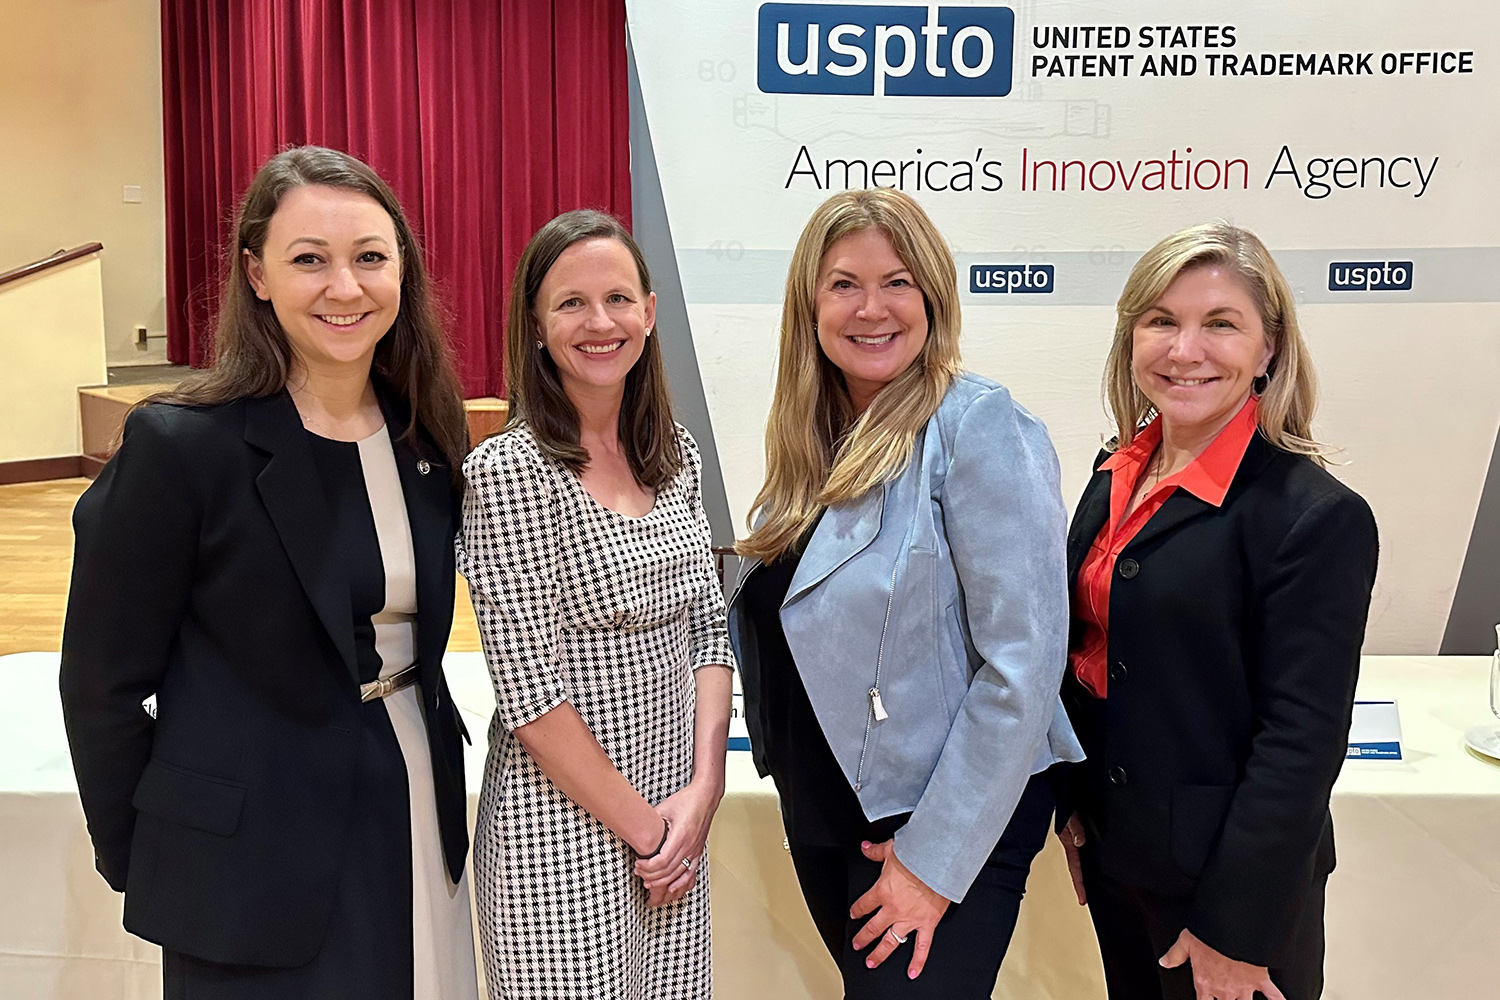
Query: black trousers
[1136,927]
[970,940]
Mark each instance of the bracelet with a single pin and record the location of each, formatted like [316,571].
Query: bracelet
[666,828]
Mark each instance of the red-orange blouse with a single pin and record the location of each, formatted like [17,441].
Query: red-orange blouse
[1207,478]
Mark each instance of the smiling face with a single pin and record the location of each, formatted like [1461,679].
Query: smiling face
[1196,351]
[594,316]
[872,317]
[331,270]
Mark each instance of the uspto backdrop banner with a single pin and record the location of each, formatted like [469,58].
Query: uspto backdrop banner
[1053,143]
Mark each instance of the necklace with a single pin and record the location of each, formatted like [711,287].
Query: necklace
[1157,467]
[1151,477]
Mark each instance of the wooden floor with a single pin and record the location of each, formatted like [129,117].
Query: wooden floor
[36,553]
[36,557]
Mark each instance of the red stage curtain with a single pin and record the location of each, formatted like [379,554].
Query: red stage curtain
[487,118]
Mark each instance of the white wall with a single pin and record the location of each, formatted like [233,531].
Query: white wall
[80,118]
[51,342]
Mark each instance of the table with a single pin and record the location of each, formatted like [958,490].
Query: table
[1414,905]
[1413,910]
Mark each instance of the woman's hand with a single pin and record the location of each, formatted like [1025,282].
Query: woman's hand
[1073,838]
[902,905]
[670,874]
[1216,976]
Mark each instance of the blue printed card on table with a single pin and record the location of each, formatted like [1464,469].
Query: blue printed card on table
[1375,733]
[739,734]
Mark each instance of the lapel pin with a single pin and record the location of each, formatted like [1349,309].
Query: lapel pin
[424,466]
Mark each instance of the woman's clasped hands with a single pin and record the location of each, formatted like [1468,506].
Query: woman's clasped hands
[670,873]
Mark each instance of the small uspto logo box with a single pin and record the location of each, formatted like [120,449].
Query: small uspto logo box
[1370,276]
[1008,278]
[885,51]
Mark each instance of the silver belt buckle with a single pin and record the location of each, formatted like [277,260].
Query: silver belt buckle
[386,686]
[376,689]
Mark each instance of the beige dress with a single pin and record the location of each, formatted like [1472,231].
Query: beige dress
[442,935]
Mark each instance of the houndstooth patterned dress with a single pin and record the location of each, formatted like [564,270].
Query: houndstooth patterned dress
[577,602]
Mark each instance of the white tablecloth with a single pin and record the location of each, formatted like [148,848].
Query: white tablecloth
[1413,910]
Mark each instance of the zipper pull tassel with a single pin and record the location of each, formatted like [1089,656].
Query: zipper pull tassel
[877,705]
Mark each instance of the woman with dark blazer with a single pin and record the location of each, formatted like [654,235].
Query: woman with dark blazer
[1221,581]
[901,616]
[270,556]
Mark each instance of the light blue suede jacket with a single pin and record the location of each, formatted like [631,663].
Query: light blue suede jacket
[939,602]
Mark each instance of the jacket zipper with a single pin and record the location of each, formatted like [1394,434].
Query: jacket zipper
[877,711]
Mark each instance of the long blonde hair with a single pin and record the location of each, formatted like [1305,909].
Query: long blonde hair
[1291,390]
[818,452]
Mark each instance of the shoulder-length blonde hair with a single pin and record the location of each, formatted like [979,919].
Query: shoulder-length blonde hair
[818,451]
[1290,393]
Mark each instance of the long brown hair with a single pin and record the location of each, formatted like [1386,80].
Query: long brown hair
[252,357]
[1290,393]
[817,451]
[648,435]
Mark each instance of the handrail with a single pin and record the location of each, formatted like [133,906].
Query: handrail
[38,266]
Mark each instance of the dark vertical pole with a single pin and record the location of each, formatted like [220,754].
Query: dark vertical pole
[654,234]
[1476,602]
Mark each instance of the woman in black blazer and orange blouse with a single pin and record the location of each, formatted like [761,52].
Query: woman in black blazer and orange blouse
[1221,581]
[270,554]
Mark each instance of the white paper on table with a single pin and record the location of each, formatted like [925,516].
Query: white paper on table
[1375,733]
[739,734]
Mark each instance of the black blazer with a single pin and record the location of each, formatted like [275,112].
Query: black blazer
[201,574]
[1234,642]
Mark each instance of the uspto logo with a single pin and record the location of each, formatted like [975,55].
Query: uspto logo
[1370,276]
[813,48]
[1009,278]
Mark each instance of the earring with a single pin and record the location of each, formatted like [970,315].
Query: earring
[539,345]
[1260,383]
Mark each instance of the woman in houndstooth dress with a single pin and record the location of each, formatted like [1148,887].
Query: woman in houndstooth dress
[604,630]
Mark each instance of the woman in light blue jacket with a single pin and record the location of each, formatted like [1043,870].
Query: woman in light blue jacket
[901,617]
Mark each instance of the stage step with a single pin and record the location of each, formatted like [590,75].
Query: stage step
[487,415]
[101,412]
